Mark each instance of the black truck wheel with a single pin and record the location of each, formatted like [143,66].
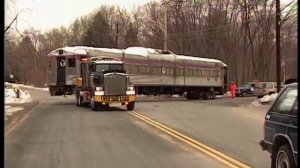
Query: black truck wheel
[130,106]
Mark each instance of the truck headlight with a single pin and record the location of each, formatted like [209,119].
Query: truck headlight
[130,88]
[99,88]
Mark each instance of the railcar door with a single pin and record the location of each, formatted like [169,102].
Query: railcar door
[61,71]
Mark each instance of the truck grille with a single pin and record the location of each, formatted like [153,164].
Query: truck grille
[114,84]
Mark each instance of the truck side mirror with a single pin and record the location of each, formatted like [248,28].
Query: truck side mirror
[252,85]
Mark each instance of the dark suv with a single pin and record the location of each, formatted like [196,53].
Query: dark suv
[280,129]
[245,89]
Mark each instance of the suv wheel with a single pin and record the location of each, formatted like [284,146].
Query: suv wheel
[284,157]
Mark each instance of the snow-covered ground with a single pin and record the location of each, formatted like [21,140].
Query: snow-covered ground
[267,99]
[11,98]
[26,86]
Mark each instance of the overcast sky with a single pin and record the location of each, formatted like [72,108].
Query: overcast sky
[47,14]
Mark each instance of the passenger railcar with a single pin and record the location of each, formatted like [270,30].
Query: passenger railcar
[152,71]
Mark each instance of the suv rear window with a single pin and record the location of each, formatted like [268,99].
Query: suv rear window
[286,101]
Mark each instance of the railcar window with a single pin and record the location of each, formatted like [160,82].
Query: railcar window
[156,70]
[71,62]
[169,71]
[214,73]
[104,67]
[134,69]
[188,72]
[127,68]
[144,69]
[200,72]
[179,71]
[116,67]
[197,72]
[205,72]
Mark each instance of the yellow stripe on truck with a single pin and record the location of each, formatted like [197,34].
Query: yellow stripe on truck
[99,99]
[79,82]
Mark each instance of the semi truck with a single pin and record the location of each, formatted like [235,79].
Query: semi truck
[103,81]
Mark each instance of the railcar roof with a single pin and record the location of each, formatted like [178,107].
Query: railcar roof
[142,51]
[139,51]
[80,50]
[185,57]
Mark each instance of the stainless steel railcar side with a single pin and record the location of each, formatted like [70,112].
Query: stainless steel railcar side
[63,70]
[168,73]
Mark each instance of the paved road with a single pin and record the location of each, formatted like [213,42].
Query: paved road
[232,126]
[59,134]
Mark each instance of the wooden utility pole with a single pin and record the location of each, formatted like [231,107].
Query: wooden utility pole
[117,33]
[278,64]
[165,26]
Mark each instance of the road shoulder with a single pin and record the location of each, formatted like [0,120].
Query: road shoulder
[19,115]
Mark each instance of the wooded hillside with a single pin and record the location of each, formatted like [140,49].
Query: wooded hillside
[241,33]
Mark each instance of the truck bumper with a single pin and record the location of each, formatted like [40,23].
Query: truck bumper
[115,99]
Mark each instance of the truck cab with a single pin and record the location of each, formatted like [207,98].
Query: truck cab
[103,81]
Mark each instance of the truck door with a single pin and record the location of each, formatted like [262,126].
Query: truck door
[61,71]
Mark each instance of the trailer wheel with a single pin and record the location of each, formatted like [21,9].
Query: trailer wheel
[213,95]
[205,95]
[130,106]
[52,91]
[189,96]
[79,100]
[192,95]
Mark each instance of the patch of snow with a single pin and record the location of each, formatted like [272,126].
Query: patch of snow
[142,95]
[273,97]
[219,96]
[256,103]
[267,99]
[11,85]
[176,96]
[11,97]
[139,51]
[10,111]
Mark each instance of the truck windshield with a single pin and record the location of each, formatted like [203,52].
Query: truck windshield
[105,67]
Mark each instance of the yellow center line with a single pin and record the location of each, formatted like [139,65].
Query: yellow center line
[228,161]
